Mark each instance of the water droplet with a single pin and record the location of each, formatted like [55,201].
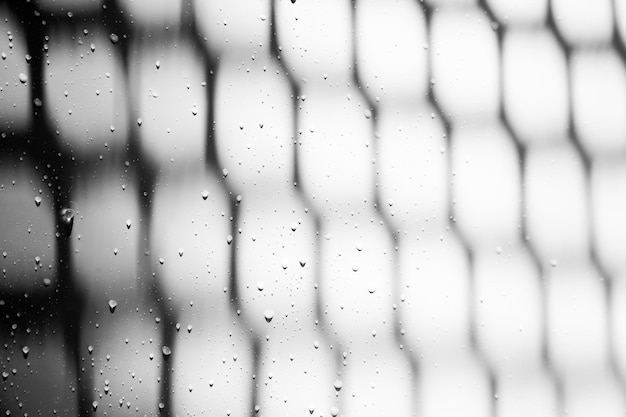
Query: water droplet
[311,409]
[94,405]
[90,349]
[128,224]
[284,264]
[338,385]
[92,47]
[355,268]
[139,122]
[67,216]
[46,282]
[229,239]
[114,251]
[189,328]
[5,375]
[166,351]
[161,261]
[205,194]
[114,38]
[269,315]
[293,1]
[38,102]
[302,262]
[368,114]
[157,64]
[37,201]
[25,351]
[211,382]
[161,406]
[180,252]
[359,246]
[194,111]
[316,344]
[23,77]
[260,286]
[371,289]
[112,305]
[225,172]
[37,260]
[334,411]
[190,388]
[554,263]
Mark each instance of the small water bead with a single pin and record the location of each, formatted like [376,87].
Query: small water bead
[114,38]
[205,194]
[338,385]
[23,78]
[112,305]
[37,201]
[269,315]
[25,351]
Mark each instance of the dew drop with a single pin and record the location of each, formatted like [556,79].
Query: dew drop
[128,224]
[92,47]
[229,239]
[302,262]
[94,405]
[23,78]
[189,328]
[205,194]
[25,351]
[260,286]
[157,64]
[114,38]
[5,375]
[46,282]
[180,252]
[38,201]
[269,315]
[112,305]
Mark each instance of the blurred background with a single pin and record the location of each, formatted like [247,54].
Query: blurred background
[313,207]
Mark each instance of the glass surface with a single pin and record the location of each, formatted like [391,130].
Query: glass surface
[312,208]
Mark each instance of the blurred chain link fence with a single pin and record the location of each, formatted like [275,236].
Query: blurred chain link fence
[313,207]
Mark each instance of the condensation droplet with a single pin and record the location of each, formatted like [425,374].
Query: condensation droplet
[269,315]
[37,201]
[114,38]
[23,78]
[205,194]
[128,224]
[180,252]
[112,305]
[260,286]
[46,282]
[157,64]
[94,405]
[25,351]
[229,239]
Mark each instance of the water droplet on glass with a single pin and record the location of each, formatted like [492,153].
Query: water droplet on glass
[139,122]
[554,263]
[161,261]
[166,351]
[5,375]
[368,114]
[37,201]
[38,102]
[67,216]
[128,224]
[229,239]
[260,286]
[359,246]
[112,305]
[338,385]
[180,252]
[302,262]
[189,328]
[334,411]
[284,264]
[311,409]
[114,38]
[25,351]
[225,172]
[161,406]
[94,405]
[23,78]
[90,349]
[157,64]
[371,289]
[92,47]
[194,111]
[205,194]
[114,251]
[46,282]
[269,315]
[316,344]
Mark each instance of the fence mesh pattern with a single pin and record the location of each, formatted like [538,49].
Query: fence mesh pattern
[313,207]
